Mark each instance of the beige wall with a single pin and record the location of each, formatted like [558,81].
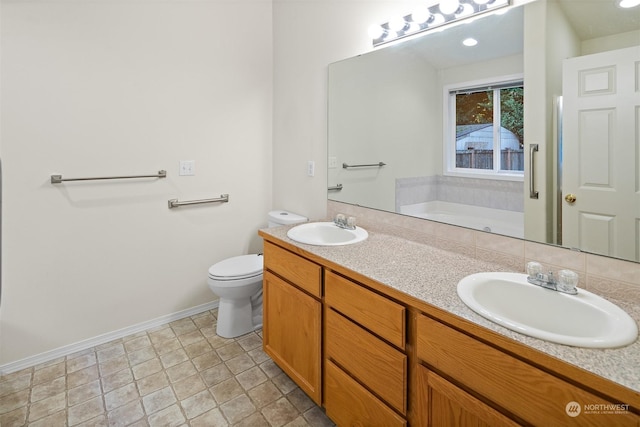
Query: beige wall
[94,88]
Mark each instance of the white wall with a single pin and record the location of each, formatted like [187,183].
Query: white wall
[115,88]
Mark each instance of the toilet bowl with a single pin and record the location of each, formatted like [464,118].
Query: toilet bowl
[237,281]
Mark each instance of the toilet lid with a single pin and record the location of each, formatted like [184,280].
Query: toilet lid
[239,267]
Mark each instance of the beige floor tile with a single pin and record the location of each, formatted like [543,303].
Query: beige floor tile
[212,418]
[251,378]
[49,373]
[177,374]
[48,406]
[152,383]
[181,371]
[238,408]
[49,389]
[171,416]
[126,414]
[83,376]
[83,393]
[226,390]
[85,411]
[206,360]
[198,404]
[158,400]
[117,380]
[188,386]
[264,394]
[14,418]
[121,396]
[280,412]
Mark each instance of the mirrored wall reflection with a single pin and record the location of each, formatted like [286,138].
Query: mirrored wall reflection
[391,106]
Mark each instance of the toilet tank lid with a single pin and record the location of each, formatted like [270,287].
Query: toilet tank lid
[238,267]
[285,217]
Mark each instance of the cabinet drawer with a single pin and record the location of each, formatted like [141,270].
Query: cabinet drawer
[349,404]
[374,363]
[376,313]
[297,270]
[531,394]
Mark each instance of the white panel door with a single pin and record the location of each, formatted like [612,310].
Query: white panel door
[601,123]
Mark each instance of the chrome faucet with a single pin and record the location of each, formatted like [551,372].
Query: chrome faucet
[566,283]
[343,222]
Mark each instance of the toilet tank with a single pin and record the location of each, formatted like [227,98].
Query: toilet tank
[278,218]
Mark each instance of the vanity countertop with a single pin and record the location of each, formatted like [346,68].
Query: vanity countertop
[431,275]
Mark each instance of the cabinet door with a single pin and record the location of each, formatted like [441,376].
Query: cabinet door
[444,404]
[291,333]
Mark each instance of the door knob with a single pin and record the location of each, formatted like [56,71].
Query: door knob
[570,198]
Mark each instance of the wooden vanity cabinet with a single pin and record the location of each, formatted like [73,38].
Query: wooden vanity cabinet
[365,366]
[292,317]
[376,358]
[485,383]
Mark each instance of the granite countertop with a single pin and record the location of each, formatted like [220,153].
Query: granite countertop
[431,275]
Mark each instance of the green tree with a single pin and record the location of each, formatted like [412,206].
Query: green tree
[477,108]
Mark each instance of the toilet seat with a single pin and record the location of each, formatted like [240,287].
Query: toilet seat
[237,268]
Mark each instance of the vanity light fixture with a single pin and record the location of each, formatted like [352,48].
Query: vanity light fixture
[425,19]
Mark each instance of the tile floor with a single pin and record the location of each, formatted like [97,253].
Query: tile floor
[178,374]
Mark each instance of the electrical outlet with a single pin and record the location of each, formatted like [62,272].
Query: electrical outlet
[311,168]
[187,167]
[333,162]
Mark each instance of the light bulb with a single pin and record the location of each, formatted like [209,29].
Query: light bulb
[421,15]
[449,7]
[625,4]
[376,31]
[397,24]
[481,1]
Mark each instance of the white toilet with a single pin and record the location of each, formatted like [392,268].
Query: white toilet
[237,281]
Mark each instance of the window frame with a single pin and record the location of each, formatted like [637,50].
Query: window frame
[449,129]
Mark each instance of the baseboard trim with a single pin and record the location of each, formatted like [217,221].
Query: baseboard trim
[104,338]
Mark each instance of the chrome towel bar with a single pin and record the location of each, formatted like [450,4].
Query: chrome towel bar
[57,179]
[379,164]
[336,187]
[174,203]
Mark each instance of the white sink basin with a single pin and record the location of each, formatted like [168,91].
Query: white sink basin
[582,320]
[326,234]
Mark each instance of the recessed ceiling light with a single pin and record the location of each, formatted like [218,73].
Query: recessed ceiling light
[470,42]
[626,4]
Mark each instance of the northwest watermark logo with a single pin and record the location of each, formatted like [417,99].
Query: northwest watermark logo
[573,409]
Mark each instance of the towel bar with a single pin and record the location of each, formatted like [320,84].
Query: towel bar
[57,179]
[379,164]
[174,203]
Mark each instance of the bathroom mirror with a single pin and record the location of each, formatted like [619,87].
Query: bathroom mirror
[387,121]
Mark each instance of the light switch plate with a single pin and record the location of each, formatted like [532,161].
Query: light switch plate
[187,167]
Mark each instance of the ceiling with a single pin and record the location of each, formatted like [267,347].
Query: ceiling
[501,35]
[591,19]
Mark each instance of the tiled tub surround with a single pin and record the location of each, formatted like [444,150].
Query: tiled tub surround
[412,261]
[488,193]
[180,373]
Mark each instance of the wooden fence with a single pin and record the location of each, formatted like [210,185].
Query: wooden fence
[511,160]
